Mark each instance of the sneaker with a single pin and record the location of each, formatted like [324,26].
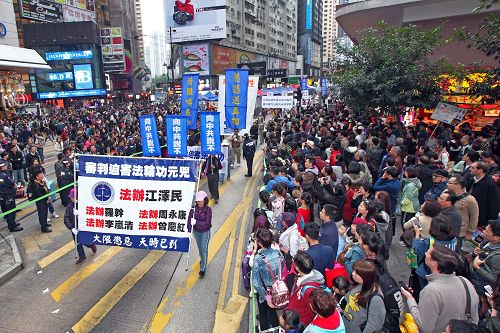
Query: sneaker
[402,244]
[55,215]
[48,220]
[238,165]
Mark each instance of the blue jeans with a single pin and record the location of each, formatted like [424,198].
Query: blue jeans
[202,240]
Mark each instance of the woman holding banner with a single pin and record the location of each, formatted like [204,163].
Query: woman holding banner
[200,220]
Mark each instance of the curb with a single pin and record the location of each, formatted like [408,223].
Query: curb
[7,274]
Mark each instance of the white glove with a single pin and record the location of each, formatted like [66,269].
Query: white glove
[193,221]
[74,231]
[75,211]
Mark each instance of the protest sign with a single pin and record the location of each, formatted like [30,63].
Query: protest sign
[448,114]
[277,102]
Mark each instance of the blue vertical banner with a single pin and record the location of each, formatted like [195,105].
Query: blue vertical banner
[189,98]
[177,135]
[236,98]
[210,132]
[324,86]
[149,135]
[303,83]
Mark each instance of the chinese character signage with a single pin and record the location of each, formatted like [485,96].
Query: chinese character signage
[177,134]
[135,202]
[189,98]
[149,135]
[277,102]
[324,86]
[236,98]
[210,132]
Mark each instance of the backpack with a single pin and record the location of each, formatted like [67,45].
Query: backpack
[245,271]
[393,300]
[308,286]
[277,295]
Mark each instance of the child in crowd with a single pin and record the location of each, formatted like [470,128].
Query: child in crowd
[289,321]
[340,288]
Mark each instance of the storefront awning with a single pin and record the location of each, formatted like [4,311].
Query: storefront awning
[21,60]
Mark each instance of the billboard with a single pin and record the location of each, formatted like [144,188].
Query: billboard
[83,76]
[195,59]
[42,10]
[309,14]
[225,57]
[79,4]
[113,59]
[69,55]
[74,14]
[195,20]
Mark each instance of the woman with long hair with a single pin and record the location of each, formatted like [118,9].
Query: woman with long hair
[365,310]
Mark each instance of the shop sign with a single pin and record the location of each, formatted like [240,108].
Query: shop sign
[280,72]
[3,30]
[42,10]
[255,68]
[463,99]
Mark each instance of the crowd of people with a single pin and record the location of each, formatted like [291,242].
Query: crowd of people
[341,189]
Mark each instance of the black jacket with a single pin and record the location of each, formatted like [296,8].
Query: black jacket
[486,194]
[16,160]
[7,185]
[248,148]
[425,177]
[36,190]
[211,166]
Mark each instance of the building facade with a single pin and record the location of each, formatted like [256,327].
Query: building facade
[329,34]
[156,53]
[310,36]
[8,26]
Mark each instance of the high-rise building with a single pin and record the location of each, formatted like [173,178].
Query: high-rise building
[310,35]
[329,33]
[139,37]
[156,53]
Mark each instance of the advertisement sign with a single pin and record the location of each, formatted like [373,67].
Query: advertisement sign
[196,59]
[61,76]
[83,76]
[135,202]
[88,5]
[280,72]
[68,55]
[195,20]
[253,84]
[72,93]
[113,59]
[309,15]
[41,10]
[73,14]
[277,102]
[255,68]
[448,114]
[225,57]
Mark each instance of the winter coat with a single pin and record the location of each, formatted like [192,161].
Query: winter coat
[486,193]
[203,217]
[332,324]
[435,191]
[354,254]
[391,186]
[69,216]
[299,295]
[425,177]
[290,238]
[491,267]
[409,198]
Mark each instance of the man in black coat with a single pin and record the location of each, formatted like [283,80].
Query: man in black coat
[485,191]
[211,168]
[425,176]
[248,153]
[7,194]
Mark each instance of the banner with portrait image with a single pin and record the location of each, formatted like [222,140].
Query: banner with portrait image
[135,202]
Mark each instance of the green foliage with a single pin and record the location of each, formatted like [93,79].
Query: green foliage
[389,68]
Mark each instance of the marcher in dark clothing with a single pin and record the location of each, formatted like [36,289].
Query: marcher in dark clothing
[211,168]
[248,153]
[64,177]
[485,191]
[69,222]
[425,177]
[329,234]
[36,189]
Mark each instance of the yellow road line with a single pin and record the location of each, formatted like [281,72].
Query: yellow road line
[84,273]
[239,253]
[225,272]
[97,313]
[160,319]
[56,254]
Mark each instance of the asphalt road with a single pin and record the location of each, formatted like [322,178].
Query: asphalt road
[131,290]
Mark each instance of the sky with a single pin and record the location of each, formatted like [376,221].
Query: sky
[152,17]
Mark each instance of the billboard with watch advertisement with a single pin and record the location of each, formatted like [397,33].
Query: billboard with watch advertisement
[195,20]
[196,59]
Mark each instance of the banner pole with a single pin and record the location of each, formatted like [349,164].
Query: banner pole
[193,207]
[75,205]
[435,128]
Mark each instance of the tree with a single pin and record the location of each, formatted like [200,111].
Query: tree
[389,68]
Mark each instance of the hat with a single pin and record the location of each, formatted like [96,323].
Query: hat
[72,193]
[200,196]
[310,143]
[441,172]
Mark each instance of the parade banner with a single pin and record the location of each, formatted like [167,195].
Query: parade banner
[135,202]
[449,114]
[149,135]
[253,84]
[189,98]
[324,87]
[277,102]
[194,152]
[236,98]
[177,135]
[303,83]
[210,132]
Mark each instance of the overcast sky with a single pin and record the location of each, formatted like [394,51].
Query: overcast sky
[152,17]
